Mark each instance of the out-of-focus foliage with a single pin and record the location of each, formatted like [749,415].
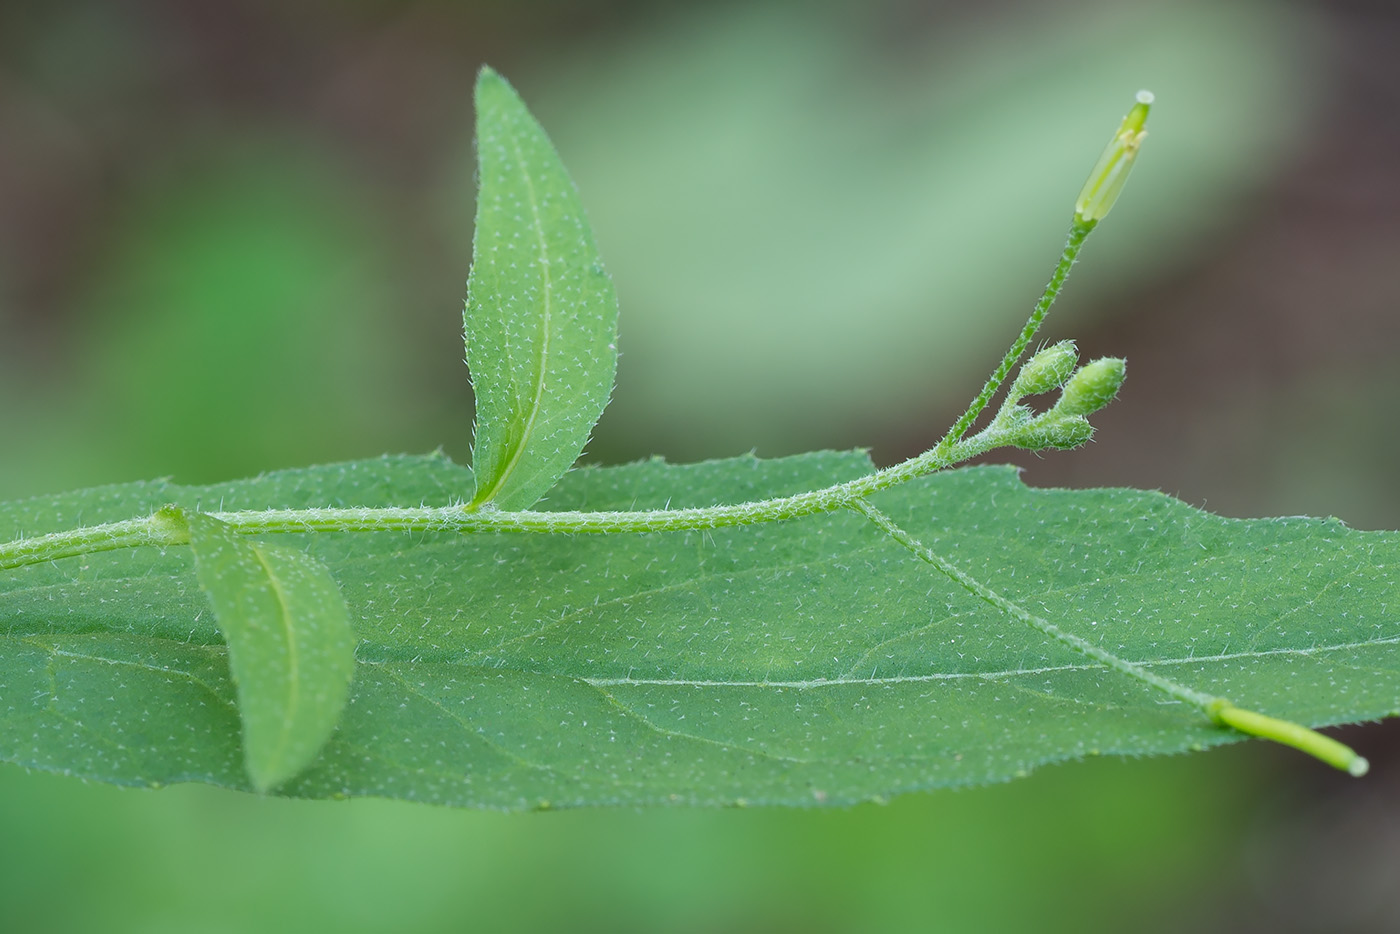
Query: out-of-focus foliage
[1077,849]
[815,229]
[236,322]
[819,228]
[229,284]
[1336,447]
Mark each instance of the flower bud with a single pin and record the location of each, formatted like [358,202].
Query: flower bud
[1091,388]
[1053,431]
[1013,418]
[1046,371]
[1111,172]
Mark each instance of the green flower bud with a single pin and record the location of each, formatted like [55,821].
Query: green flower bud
[1046,371]
[1053,431]
[1091,388]
[1111,171]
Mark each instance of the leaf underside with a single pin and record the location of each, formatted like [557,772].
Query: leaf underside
[291,651]
[541,317]
[795,663]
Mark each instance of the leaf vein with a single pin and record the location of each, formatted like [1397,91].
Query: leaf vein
[981,675]
[645,721]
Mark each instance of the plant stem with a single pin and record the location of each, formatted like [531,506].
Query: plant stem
[952,449]
[1218,709]
[1338,755]
[154,529]
[1078,232]
[162,528]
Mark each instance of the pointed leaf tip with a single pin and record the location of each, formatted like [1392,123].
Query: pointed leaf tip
[489,77]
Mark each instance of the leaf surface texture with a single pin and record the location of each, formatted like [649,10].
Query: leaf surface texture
[541,318]
[793,663]
[291,651]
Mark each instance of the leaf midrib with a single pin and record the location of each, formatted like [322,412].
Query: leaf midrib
[293,695]
[68,652]
[518,448]
[985,675]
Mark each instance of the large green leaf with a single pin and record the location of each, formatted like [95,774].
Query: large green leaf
[291,651]
[796,663]
[541,317]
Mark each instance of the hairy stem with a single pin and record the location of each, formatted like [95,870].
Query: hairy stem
[1078,232]
[162,529]
[953,448]
[1218,709]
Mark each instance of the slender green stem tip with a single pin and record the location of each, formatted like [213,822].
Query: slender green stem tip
[1338,755]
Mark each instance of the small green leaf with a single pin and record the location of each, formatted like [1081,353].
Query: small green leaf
[290,647]
[541,318]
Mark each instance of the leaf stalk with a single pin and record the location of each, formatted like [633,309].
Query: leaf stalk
[1338,755]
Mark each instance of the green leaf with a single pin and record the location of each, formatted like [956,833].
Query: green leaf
[792,663]
[291,651]
[541,317]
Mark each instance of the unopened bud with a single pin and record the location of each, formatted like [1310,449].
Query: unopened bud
[1046,371]
[1013,418]
[1092,387]
[1111,172]
[1053,431]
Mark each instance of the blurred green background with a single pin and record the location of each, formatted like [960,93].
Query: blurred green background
[234,237]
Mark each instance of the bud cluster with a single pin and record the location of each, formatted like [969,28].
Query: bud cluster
[1065,425]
